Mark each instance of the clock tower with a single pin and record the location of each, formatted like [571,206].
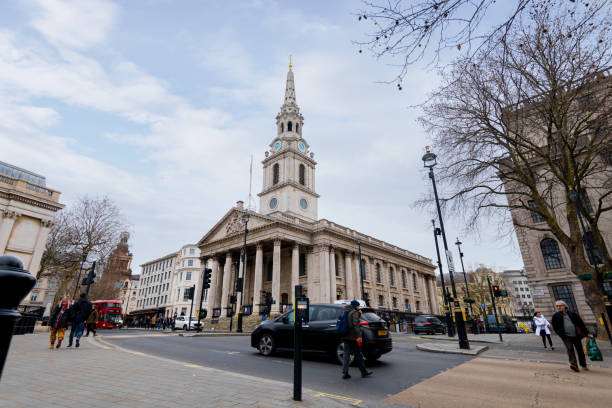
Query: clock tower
[289,166]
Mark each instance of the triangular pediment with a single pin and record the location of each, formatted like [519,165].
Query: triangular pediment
[232,224]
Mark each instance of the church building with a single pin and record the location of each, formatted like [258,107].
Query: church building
[287,244]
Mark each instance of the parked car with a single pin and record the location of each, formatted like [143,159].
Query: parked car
[428,324]
[182,322]
[506,325]
[319,335]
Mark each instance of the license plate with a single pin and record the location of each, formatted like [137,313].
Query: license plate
[419,324]
[382,332]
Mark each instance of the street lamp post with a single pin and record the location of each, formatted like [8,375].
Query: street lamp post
[363,297]
[245,217]
[449,320]
[78,282]
[573,196]
[467,288]
[429,161]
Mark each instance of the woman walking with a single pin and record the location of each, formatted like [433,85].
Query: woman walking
[542,329]
[58,322]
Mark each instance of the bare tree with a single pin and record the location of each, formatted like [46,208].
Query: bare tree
[92,226]
[519,126]
[413,30]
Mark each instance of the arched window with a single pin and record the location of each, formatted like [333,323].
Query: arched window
[302,174]
[282,127]
[289,125]
[275,173]
[391,277]
[297,127]
[378,280]
[551,253]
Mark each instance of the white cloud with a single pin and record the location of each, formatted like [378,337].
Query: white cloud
[75,24]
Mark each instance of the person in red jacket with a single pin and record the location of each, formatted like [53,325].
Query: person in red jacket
[58,322]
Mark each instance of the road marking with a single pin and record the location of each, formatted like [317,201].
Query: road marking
[353,401]
[232,352]
[193,365]
[138,353]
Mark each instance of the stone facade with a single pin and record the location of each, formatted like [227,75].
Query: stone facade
[27,210]
[288,245]
[517,285]
[119,265]
[129,294]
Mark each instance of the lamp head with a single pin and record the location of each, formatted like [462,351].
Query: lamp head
[458,242]
[429,159]
[246,216]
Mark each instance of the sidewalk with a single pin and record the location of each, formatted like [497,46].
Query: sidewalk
[98,375]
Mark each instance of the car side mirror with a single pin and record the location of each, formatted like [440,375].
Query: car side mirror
[285,319]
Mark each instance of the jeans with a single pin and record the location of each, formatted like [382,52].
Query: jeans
[572,343]
[351,347]
[78,328]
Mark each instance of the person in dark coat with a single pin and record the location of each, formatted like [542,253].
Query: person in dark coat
[352,341]
[570,327]
[91,322]
[79,313]
[58,322]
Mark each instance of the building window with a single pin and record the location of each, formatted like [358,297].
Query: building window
[269,271]
[183,311]
[535,217]
[380,300]
[391,277]
[407,304]
[302,174]
[186,294]
[418,305]
[403,279]
[34,296]
[297,127]
[282,127]
[275,173]
[190,262]
[394,300]
[565,293]
[289,126]
[378,278]
[191,251]
[336,269]
[303,265]
[187,275]
[551,253]
[414,282]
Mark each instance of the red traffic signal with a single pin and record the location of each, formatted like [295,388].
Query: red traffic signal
[496,291]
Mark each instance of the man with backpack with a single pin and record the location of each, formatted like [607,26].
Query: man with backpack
[348,327]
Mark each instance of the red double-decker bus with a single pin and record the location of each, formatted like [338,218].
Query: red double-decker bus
[109,314]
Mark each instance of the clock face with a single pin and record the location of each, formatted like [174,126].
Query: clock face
[301,146]
[277,145]
[303,203]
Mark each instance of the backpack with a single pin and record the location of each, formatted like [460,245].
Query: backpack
[342,327]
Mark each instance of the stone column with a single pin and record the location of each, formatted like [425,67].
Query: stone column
[227,283]
[214,278]
[325,276]
[39,247]
[276,270]
[258,279]
[6,226]
[332,273]
[295,270]
[432,296]
[348,277]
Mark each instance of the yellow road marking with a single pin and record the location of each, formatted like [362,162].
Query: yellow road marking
[138,353]
[353,401]
[193,365]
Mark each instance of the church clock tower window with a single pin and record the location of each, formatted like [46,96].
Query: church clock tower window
[275,173]
[302,174]
[289,126]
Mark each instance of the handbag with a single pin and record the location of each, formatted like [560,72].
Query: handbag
[593,351]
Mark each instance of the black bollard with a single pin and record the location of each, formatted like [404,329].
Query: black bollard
[15,283]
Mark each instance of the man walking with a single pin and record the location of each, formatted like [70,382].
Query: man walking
[80,312]
[570,327]
[352,341]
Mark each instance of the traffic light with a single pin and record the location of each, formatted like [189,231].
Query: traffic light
[207,278]
[203,313]
[496,291]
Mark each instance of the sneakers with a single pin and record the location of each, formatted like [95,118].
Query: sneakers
[77,344]
[59,344]
[366,374]
[575,368]
[552,348]
[346,376]
[51,346]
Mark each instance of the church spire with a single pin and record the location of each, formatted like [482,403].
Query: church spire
[290,89]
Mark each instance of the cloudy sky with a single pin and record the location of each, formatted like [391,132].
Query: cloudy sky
[160,105]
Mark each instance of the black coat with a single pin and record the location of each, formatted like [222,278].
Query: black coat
[63,321]
[557,323]
[79,312]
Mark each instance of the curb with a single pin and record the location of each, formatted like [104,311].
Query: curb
[456,339]
[471,352]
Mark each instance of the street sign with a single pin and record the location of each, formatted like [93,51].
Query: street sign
[449,261]
[483,305]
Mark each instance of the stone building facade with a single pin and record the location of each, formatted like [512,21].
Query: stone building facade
[187,273]
[129,294]
[288,245]
[155,286]
[119,264]
[517,285]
